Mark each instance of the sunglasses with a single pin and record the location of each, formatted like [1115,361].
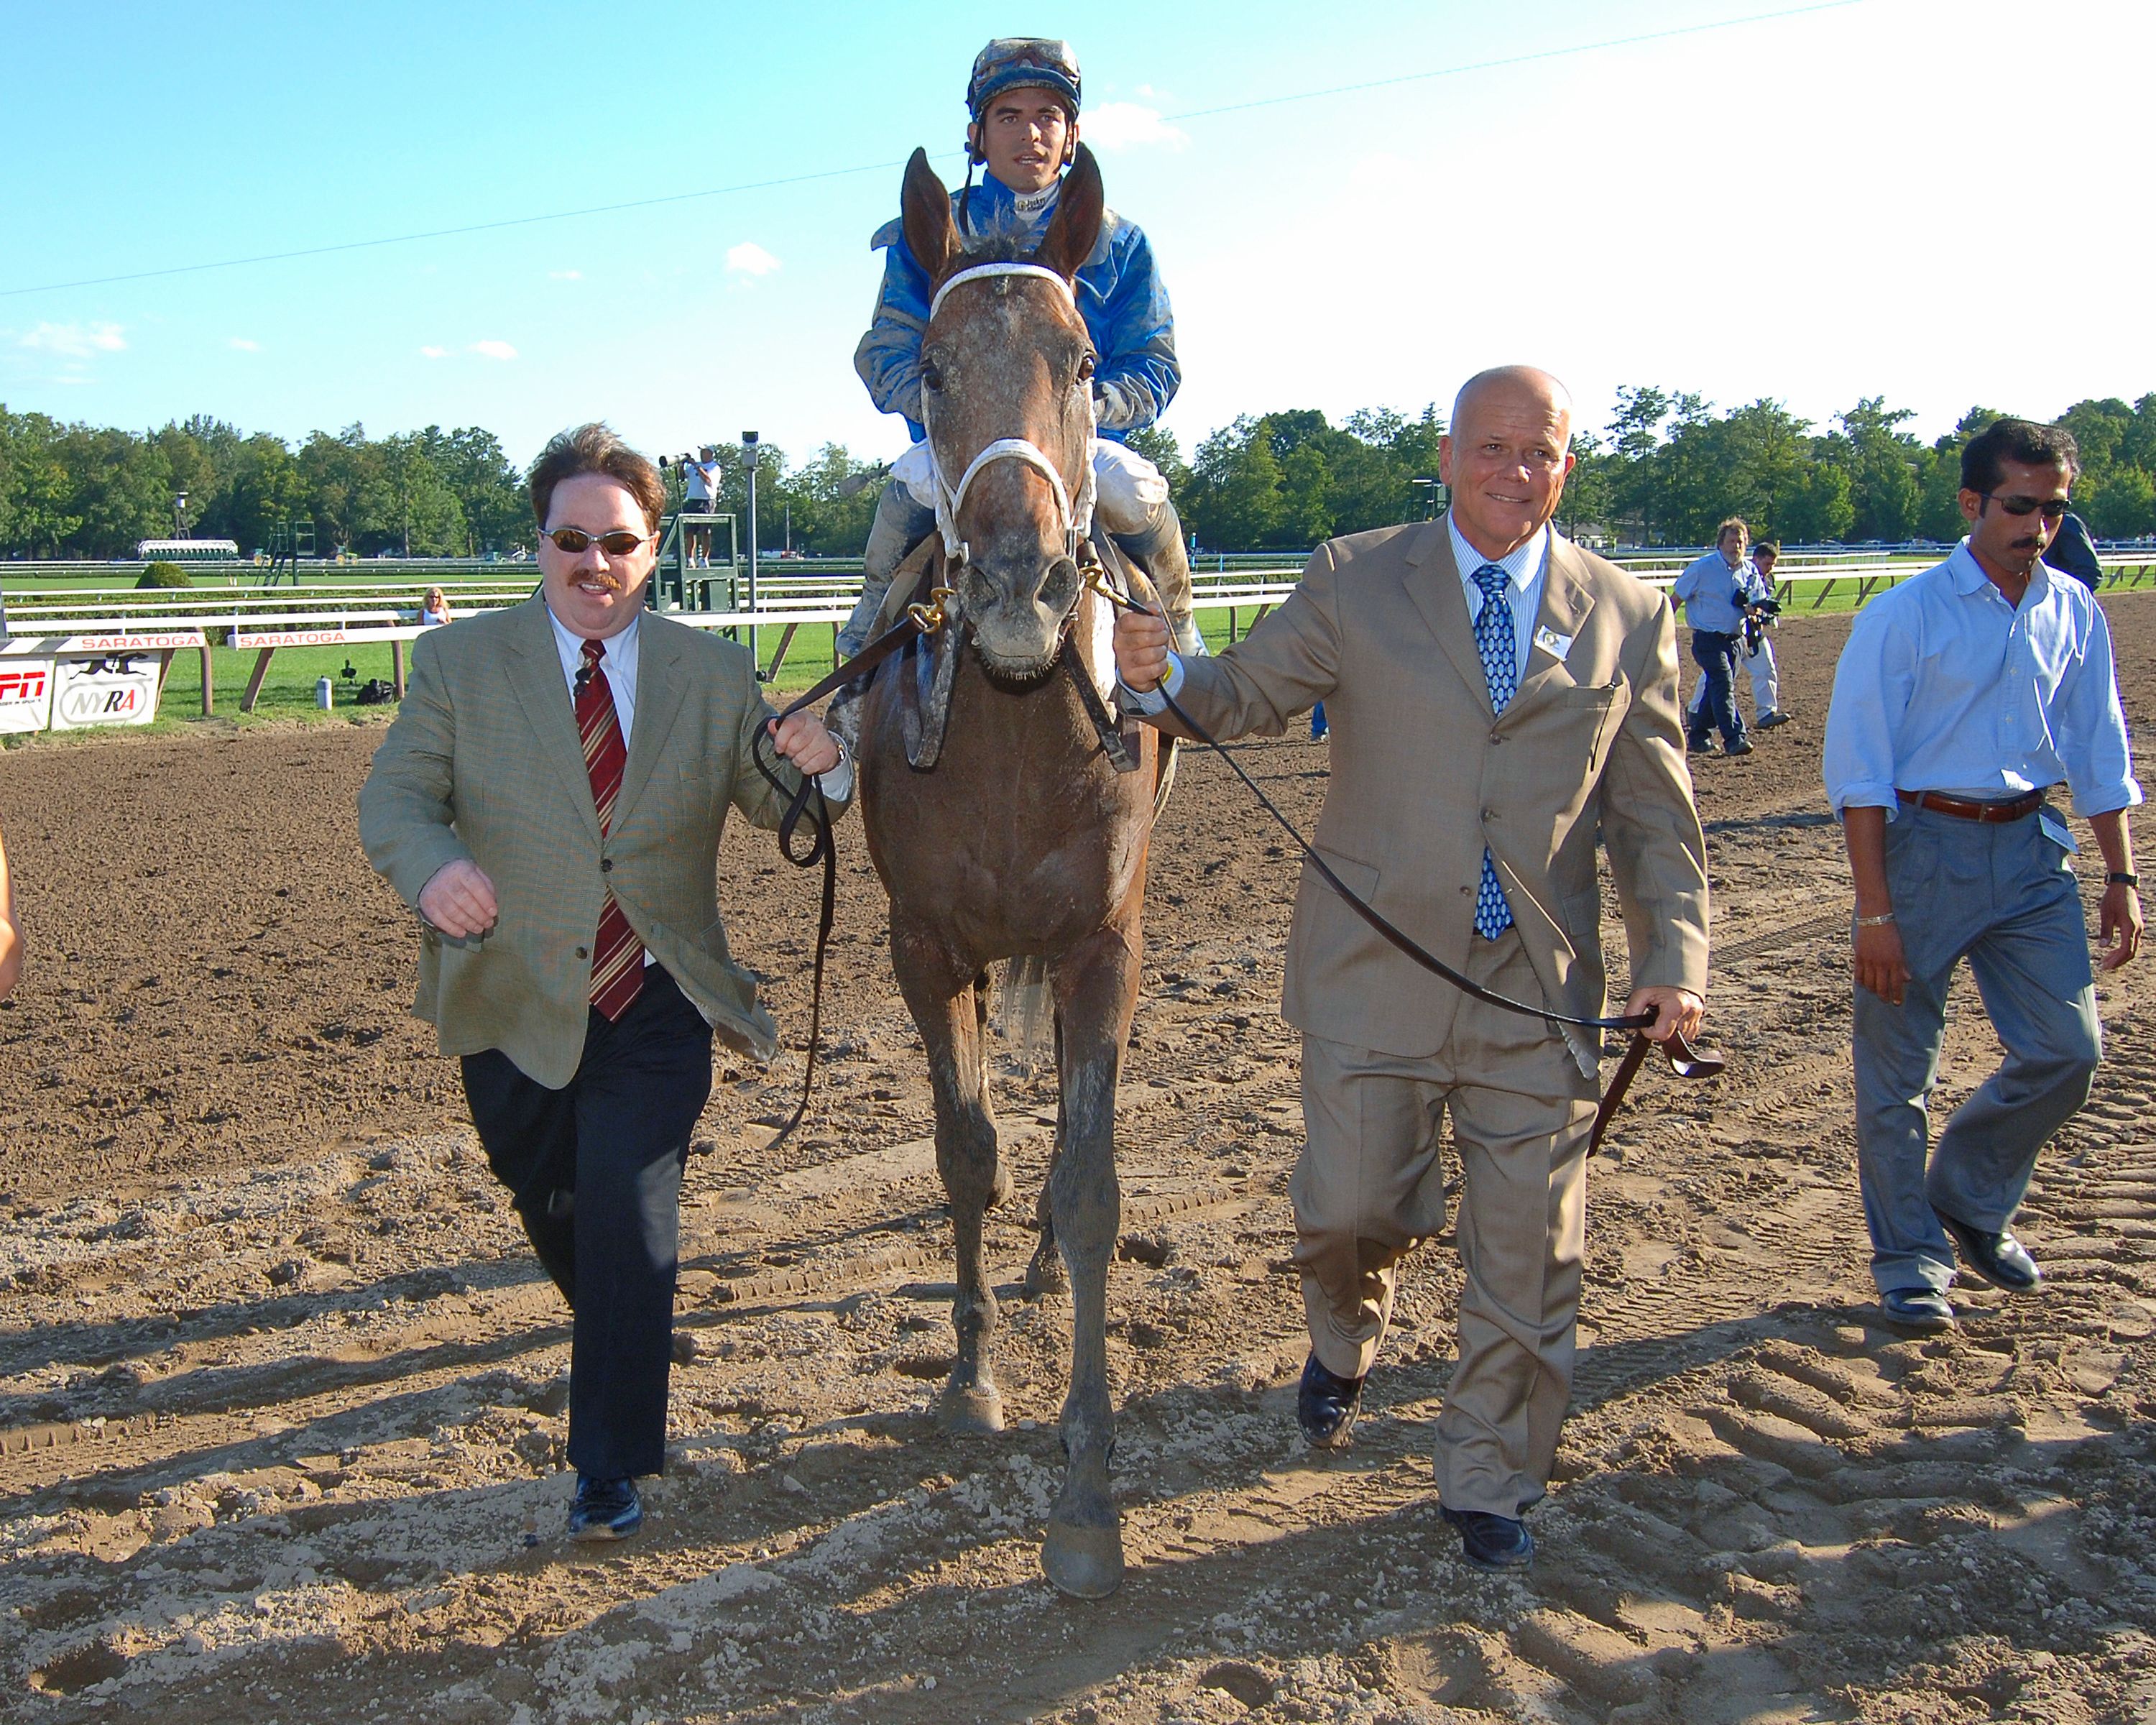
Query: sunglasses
[2053,508]
[619,543]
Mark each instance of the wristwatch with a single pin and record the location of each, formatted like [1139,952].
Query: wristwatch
[2118,877]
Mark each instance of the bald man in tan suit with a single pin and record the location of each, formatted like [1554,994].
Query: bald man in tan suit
[1498,698]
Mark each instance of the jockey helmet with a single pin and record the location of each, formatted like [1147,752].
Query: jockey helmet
[1013,62]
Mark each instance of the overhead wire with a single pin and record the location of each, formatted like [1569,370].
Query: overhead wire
[1530,58]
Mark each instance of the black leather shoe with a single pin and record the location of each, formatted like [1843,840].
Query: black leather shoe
[1922,1311]
[1998,1257]
[1324,1406]
[1490,1542]
[1743,746]
[1697,745]
[605,1509]
[1771,720]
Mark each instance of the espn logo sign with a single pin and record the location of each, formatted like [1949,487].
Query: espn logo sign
[23,683]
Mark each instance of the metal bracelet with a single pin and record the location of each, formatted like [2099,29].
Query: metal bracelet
[1874,922]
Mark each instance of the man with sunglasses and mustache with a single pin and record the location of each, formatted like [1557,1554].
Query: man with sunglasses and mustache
[550,800]
[1963,695]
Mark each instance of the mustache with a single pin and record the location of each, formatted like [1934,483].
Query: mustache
[605,578]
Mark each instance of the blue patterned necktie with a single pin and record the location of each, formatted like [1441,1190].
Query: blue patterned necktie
[1495,641]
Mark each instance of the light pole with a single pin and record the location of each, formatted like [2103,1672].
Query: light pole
[749,441]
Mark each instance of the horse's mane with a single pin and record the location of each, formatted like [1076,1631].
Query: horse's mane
[995,248]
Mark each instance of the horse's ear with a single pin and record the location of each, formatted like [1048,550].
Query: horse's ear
[930,235]
[1076,226]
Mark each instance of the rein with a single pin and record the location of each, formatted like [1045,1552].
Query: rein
[1684,1060]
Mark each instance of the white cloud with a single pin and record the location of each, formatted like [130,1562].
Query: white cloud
[433,353]
[240,344]
[493,350]
[565,275]
[750,259]
[74,340]
[1129,126]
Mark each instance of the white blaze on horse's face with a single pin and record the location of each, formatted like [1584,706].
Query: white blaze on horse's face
[1007,363]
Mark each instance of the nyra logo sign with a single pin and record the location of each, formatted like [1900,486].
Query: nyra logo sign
[120,691]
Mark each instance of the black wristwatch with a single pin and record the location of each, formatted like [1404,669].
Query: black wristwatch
[2119,878]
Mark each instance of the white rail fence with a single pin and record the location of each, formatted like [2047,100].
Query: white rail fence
[113,627]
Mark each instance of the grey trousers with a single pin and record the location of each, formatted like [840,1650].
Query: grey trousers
[1369,1185]
[2004,897]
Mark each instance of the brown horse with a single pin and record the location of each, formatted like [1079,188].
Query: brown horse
[1021,840]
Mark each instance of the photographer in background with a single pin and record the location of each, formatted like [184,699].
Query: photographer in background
[1759,654]
[699,490]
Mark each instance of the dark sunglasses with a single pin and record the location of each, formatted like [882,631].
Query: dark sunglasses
[2053,508]
[619,543]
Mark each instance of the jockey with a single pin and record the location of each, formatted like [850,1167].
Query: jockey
[1023,98]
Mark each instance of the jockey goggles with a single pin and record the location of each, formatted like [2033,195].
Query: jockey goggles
[1015,62]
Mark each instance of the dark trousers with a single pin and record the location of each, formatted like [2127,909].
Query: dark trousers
[1717,654]
[595,1170]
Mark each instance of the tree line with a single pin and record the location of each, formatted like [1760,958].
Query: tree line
[1667,470]
[1664,471]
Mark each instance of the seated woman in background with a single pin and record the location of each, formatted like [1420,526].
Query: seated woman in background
[435,608]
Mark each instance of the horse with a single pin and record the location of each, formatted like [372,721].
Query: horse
[1021,840]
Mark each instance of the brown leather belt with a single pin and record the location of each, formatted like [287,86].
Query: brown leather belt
[1965,809]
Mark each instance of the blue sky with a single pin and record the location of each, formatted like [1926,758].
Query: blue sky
[1952,193]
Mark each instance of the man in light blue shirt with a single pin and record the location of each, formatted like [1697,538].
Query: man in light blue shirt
[1715,590]
[1963,696]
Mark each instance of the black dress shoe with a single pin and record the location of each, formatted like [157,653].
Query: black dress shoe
[1743,746]
[1490,1542]
[1771,720]
[1998,1257]
[605,1509]
[1921,1311]
[1325,1405]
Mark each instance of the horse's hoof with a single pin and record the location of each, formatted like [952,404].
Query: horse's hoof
[1086,1562]
[1045,1274]
[999,1189]
[974,1409]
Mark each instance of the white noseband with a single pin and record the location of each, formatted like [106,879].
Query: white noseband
[1076,516]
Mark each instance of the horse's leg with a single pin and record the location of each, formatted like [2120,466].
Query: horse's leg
[1097,987]
[939,996]
[1001,1189]
[1043,1272]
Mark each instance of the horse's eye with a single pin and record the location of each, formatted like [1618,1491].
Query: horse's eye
[932,378]
[1085,369]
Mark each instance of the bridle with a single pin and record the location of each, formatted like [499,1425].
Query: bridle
[1075,515]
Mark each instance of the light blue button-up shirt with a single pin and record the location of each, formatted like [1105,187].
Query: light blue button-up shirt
[1713,594]
[1524,569]
[1946,686]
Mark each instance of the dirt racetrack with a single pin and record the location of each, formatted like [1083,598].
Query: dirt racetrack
[282,1395]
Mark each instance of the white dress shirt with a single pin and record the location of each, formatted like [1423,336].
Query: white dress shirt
[1945,685]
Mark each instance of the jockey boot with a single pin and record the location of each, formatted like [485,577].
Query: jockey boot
[1160,548]
[901,525]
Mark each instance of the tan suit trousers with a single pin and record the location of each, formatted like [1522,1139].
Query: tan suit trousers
[1369,1185]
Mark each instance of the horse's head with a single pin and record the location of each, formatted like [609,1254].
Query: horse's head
[1007,371]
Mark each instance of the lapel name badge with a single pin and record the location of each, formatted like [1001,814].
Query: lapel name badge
[1552,642]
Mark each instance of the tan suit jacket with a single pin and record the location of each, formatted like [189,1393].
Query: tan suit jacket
[484,761]
[1423,777]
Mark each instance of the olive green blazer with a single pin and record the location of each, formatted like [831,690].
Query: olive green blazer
[484,761]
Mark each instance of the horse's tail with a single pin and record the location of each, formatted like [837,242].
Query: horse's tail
[1026,1009]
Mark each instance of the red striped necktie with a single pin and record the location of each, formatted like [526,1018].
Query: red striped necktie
[617,955]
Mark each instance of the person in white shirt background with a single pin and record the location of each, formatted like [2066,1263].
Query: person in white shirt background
[1964,695]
